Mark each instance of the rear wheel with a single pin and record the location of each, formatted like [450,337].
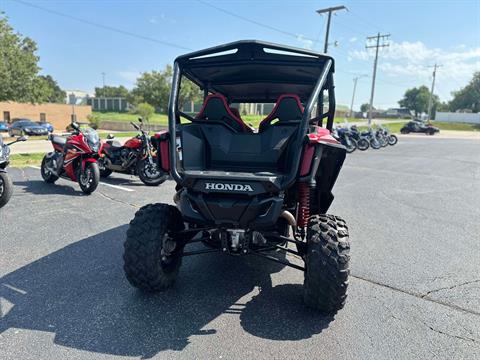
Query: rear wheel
[89,178]
[326,263]
[149,173]
[147,264]
[404,131]
[47,175]
[6,188]
[392,140]
[362,144]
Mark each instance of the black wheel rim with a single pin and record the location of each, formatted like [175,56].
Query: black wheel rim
[86,177]
[150,171]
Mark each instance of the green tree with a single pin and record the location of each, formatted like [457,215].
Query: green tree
[364,107]
[154,88]
[19,70]
[416,99]
[467,97]
[18,65]
[189,91]
[111,91]
[144,110]
[51,92]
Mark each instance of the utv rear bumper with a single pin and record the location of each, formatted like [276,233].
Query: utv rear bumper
[225,210]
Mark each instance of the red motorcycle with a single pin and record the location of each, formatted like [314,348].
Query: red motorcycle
[137,156]
[75,158]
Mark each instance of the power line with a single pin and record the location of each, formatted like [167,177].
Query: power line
[101,26]
[284,32]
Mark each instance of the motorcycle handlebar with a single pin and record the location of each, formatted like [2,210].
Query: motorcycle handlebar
[135,125]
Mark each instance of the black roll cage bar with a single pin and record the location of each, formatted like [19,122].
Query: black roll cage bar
[324,82]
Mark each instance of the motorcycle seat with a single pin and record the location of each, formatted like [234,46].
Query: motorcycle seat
[114,143]
[60,140]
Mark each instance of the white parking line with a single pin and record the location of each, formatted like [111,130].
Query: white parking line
[102,183]
[117,187]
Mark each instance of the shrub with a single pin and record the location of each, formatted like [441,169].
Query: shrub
[94,121]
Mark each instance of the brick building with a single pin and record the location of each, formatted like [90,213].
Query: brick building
[59,115]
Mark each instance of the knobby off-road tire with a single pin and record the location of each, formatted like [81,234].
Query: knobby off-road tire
[145,265]
[6,188]
[327,263]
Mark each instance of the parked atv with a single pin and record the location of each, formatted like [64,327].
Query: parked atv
[74,158]
[419,127]
[136,156]
[245,193]
[6,187]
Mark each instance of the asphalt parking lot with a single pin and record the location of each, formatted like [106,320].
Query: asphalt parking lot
[414,217]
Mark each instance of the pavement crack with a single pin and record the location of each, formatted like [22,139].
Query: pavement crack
[117,200]
[449,287]
[450,335]
[419,296]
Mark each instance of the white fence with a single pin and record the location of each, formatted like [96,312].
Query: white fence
[472,118]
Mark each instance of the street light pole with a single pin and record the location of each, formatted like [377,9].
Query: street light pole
[355,79]
[329,11]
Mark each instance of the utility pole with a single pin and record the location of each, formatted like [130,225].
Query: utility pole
[376,46]
[103,78]
[430,99]
[329,10]
[355,79]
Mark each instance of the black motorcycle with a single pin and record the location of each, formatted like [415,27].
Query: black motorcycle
[6,186]
[344,136]
[137,156]
[362,143]
[372,138]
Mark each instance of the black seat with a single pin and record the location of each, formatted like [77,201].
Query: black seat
[59,140]
[114,143]
[216,109]
[287,109]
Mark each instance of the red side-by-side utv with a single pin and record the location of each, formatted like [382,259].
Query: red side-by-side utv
[243,191]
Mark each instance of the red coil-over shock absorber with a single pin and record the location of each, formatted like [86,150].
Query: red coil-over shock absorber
[303,205]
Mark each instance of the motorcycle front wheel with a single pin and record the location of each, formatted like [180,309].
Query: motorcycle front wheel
[351,145]
[6,188]
[89,178]
[149,173]
[375,144]
[362,144]
[392,140]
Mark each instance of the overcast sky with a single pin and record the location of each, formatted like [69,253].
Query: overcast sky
[422,33]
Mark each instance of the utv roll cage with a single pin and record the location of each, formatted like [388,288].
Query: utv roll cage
[256,71]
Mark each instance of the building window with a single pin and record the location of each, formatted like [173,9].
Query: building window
[43,117]
[6,116]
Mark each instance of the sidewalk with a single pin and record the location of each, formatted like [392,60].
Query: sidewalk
[41,146]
